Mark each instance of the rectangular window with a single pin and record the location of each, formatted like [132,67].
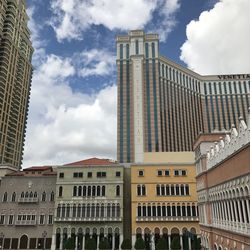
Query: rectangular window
[167,172]
[80,174]
[140,173]
[11,219]
[61,175]
[176,173]
[101,174]
[89,174]
[42,217]
[159,172]
[75,175]
[2,217]
[50,219]
[183,172]
[118,174]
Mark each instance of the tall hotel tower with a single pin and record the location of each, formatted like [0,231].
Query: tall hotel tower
[15,80]
[163,106]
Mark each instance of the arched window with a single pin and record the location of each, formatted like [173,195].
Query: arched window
[74,191]
[60,193]
[102,210]
[31,194]
[89,190]
[80,191]
[117,190]
[22,195]
[108,210]
[113,210]
[43,196]
[98,191]
[118,210]
[52,196]
[5,197]
[83,210]
[97,210]
[27,195]
[84,191]
[182,189]
[88,210]
[35,195]
[58,211]
[167,190]
[187,189]
[143,190]
[177,190]
[79,210]
[163,190]
[13,198]
[94,191]
[74,211]
[138,190]
[103,190]
[63,210]
[158,190]
[68,210]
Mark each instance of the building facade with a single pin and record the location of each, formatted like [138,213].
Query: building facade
[156,98]
[164,199]
[223,186]
[15,80]
[27,200]
[89,203]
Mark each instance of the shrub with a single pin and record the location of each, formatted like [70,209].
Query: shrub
[104,244]
[162,244]
[140,244]
[69,244]
[175,243]
[90,244]
[126,244]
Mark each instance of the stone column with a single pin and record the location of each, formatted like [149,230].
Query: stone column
[53,243]
[76,242]
[113,241]
[169,241]
[181,243]
[121,240]
[83,241]
[61,241]
[133,240]
[98,241]
[189,243]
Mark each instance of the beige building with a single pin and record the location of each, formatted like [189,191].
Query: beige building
[27,200]
[15,79]
[164,199]
[156,98]
[89,203]
[223,186]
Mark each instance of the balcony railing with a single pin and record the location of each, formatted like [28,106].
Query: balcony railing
[92,219]
[28,200]
[25,223]
[167,218]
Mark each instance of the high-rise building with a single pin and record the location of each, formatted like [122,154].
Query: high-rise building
[163,106]
[15,80]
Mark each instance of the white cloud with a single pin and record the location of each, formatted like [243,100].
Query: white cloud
[63,125]
[219,41]
[73,17]
[95,62]
[66,125]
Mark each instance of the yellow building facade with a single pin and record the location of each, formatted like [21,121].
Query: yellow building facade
[164,199]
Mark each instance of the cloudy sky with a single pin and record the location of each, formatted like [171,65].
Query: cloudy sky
[73,97]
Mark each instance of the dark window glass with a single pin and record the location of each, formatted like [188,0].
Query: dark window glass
[61,175]
[159,172]
[141,173]
[166,172]
[89,174]
[118,174]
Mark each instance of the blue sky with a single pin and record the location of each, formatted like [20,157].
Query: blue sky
[73,99]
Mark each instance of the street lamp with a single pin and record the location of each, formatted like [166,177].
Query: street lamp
[44,236]
[1,237]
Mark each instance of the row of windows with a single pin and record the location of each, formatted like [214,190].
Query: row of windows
[28,195]
[88,210]
[169,210]
[166,172]
[165,189]
[90,174]
[172,189]
[25,219]
[93,191]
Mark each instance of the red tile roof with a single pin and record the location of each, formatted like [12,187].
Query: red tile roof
[38,168]
[92,161]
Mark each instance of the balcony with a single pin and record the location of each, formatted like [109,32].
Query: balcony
[25,223]
[91,219]
[28,200]
[167,218]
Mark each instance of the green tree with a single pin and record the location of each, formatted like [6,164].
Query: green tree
[175,243]
[162,244]
[126,244]
[104,244]
[90,244]
[196,243]
[69,244]
[139,244]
